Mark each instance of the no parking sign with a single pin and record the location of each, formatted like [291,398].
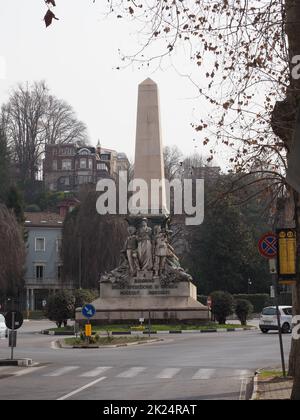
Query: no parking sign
[267,245]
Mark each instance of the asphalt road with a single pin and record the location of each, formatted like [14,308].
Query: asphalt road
[188,366]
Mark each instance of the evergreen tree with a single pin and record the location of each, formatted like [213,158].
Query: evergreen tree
[224,252]
[14,200]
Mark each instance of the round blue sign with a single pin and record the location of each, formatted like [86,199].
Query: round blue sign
[88,310]
[267,245]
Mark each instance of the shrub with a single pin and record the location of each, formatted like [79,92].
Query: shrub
[222,305]
[83,296]
[60,307]
[243,308]
[258,300]
[32,208]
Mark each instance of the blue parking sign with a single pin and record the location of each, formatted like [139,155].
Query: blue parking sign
[88,310]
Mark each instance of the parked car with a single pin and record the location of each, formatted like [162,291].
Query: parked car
[3,329]
[268,319]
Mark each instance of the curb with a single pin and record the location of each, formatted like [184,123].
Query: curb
[18,362]
[59,345]
[211,330]
[47,332]
[254,395]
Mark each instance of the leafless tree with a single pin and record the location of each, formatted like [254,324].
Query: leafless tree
[33,118]
[250,46]
[173,159]
[12,253]
[91,242]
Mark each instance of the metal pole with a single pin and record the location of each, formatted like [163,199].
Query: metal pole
[149,324]
[274,279]
[12,337]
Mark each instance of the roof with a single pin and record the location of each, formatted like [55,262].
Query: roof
[44,219]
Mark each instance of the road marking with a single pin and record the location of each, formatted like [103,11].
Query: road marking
[204,374]
[130,373]
[241,373]
[168,373]
[81,389]
[28,370]
[62,371]
[95,372]
[244,383]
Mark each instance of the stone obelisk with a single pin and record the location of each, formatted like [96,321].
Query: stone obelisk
[149,281]
[149,162]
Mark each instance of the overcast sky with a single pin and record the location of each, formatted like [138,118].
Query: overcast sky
[77,57]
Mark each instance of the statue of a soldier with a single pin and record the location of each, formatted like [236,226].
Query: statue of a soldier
[131,248]
[160,250]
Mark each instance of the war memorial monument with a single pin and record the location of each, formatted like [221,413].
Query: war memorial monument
[149,280]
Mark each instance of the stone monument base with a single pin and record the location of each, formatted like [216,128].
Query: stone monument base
[172,303]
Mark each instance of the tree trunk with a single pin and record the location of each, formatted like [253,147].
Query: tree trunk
[283,122]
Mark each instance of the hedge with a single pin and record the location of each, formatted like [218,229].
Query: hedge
[258,300]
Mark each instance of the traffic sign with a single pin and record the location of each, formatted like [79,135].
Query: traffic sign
[17,317]
[88,330]
[287,247]
[267,245]
[88,310]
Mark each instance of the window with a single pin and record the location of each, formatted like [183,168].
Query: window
[54,165]
[40,244]
[84,179]
[39,272]
[105,156]
[90,164]
[287,311]
[102,167]
[58,245]
[59,272]
[269,311]
[66,164]
[82,163]
[84,152]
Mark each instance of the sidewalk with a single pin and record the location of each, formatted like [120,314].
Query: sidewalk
[272,387]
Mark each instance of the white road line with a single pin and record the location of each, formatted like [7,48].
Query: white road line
[81,389]
[62,371]
[244,382]
[241,373]
[95,372]
[168,373]
[130,373]
[28,370]
[204,374]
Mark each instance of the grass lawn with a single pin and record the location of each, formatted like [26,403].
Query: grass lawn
[162,327]
[103,341]
[270,374]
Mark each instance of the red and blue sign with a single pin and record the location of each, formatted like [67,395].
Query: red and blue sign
[267,245]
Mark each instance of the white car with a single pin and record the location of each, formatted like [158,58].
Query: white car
[3,329]
[268,319]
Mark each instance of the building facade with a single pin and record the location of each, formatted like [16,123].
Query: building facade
[68,166]
[43,258]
